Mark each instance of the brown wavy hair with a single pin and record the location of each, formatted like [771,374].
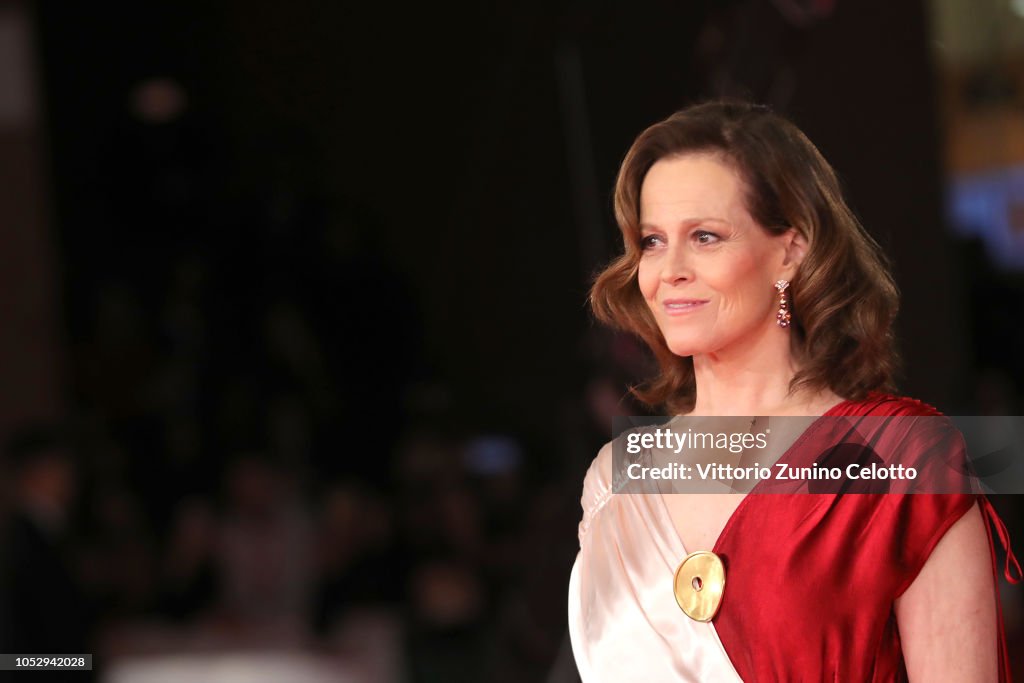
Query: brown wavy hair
[843,299]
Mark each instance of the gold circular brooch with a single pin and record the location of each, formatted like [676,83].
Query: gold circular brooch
[699,584]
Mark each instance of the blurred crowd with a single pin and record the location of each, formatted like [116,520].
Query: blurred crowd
[297,487]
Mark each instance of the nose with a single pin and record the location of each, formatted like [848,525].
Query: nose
[676,266]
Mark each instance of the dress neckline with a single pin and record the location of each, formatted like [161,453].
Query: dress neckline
[729,523]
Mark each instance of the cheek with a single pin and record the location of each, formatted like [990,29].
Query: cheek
[740,284]
[647,279]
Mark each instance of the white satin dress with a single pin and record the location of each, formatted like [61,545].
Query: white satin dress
[624,623]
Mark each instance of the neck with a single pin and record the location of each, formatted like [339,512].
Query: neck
[752,377]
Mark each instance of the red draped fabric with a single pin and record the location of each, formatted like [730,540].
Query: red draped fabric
[812,578]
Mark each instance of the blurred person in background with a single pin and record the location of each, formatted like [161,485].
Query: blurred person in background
[761,294]
[358,564]
[265,551]
[446,598]
[46,609]
[190,577]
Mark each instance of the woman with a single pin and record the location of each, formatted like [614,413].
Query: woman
[760,294]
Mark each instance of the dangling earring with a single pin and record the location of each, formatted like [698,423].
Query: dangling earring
[782,317]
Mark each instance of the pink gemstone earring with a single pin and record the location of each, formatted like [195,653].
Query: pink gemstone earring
[782,317]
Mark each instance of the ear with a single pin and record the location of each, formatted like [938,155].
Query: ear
[796,247]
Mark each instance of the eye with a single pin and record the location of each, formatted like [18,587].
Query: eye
[649,241]
[705,237]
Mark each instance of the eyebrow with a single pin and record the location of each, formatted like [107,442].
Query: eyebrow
[686,223]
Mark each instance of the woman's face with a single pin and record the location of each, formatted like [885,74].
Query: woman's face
[707,269]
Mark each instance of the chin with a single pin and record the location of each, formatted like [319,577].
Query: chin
[684,347]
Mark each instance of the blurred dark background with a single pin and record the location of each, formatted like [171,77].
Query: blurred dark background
[298,372]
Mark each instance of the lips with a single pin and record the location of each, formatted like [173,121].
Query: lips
[682,306]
